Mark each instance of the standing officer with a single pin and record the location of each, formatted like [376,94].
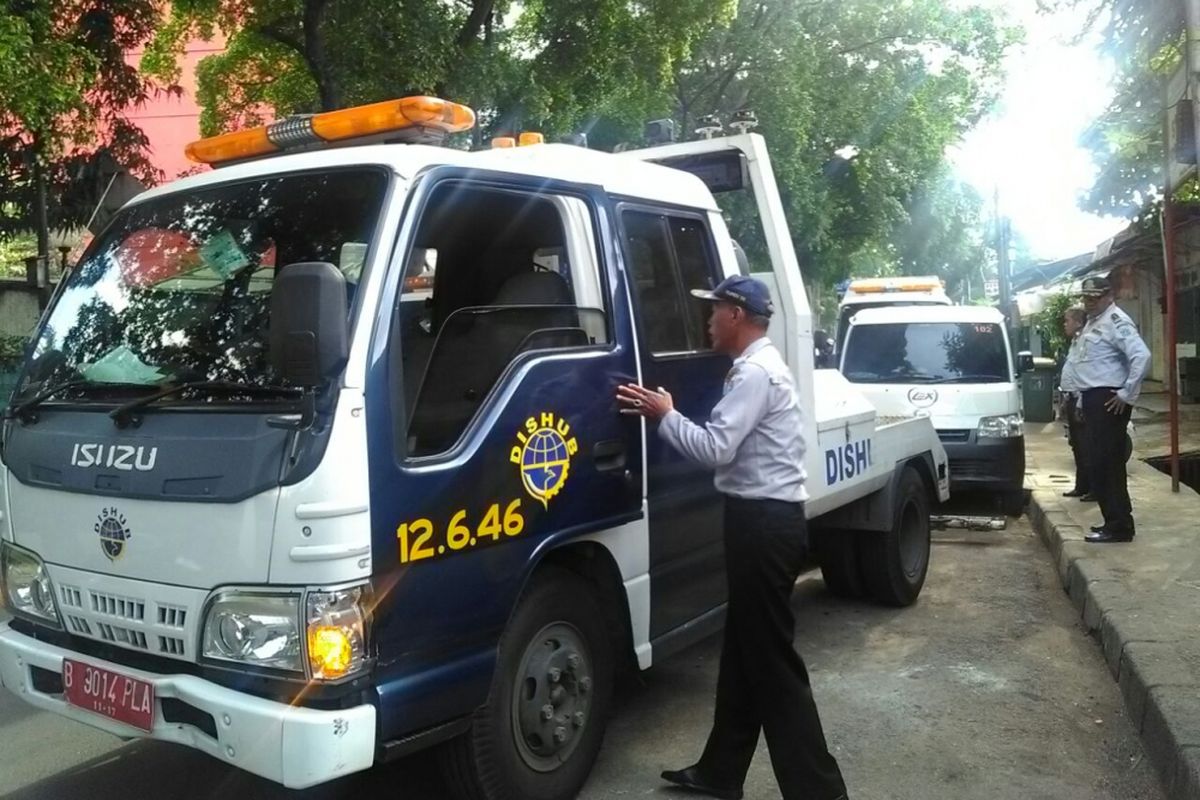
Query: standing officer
[1111,365]
[754,441]
[1073,321]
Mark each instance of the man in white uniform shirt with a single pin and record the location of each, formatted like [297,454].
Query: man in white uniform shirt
[1109,367]
[754,442]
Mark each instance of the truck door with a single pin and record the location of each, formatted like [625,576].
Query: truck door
[668,253]
[493,427]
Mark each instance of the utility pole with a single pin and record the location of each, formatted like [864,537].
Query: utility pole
[1005,269]
[1002,266]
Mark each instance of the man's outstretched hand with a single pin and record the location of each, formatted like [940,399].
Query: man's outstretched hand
[635,399]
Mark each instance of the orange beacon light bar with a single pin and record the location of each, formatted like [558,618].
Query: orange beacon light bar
[883,285]
[419,116]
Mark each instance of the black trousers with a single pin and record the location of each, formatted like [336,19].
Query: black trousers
[1077,437]
[1106,454]
[763,683]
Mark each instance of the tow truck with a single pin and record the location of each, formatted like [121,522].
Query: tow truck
[315,460]
[863,293]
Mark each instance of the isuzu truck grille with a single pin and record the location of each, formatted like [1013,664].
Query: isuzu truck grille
[147,617]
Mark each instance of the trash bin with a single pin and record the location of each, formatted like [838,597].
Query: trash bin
[1189,379]
[1037,390]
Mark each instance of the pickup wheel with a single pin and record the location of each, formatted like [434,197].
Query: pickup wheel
[537,736]
[836,551]
[894,563]
[1012,502]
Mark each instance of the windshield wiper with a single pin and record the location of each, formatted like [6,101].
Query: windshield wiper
[859,377]
[23,410]
[122,415]
[973,379]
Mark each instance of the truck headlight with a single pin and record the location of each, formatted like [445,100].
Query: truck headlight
[259,630]
[27,589]
[1006,426]
[336,633]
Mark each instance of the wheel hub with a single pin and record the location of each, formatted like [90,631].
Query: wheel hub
[552,696]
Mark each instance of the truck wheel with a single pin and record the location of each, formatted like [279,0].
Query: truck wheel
[836,551]
[894,563]
[537,736]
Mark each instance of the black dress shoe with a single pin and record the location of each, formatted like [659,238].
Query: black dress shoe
[690,778]
[1097,528]
[1088,497]
[1104,536]
[1074,493]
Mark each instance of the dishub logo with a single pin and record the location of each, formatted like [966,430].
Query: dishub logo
[113,531]
[543,454]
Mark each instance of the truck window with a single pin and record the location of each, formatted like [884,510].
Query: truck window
[669,256]
[179,286]
[509,273]
[927,352]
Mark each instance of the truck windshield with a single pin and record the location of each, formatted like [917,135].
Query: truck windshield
[179,287]
[850,309]
[927,352]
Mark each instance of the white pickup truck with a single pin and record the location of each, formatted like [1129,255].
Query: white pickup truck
[316,459]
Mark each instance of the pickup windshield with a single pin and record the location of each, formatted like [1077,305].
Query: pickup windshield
[927,352]
[178,288]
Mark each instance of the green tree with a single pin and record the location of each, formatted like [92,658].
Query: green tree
[64,84]
[1142,40]
[946,235]
[859,101]
[552,65]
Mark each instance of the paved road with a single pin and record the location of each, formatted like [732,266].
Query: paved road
[986,689]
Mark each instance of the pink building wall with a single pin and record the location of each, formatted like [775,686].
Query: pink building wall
[171,121]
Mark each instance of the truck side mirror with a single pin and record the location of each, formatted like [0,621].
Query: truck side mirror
[1024,362]
[309,329]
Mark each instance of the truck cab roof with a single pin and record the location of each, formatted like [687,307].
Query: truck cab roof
[562,162]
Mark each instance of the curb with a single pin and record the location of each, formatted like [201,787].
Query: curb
[1166,714]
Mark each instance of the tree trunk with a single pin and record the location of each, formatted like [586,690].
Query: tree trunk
[41,209]
[314,54]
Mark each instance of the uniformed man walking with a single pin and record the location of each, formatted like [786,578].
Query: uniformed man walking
[754,441]
[1073,321]
[1111,365]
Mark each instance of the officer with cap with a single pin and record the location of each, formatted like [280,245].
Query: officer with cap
[754,442]
[1074,318]
[1109,368]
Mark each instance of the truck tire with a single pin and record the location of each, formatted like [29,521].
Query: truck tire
[836,551]
[537,736]
[895,562]
[1012,502]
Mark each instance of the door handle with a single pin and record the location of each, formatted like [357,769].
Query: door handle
[609,455]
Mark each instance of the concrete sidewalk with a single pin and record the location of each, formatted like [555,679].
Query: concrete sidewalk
[1141,599]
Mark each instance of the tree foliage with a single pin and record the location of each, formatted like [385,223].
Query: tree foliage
[549,64]
[1049,324]
[947,236]
[1142,38]
[64,84]
[858,100]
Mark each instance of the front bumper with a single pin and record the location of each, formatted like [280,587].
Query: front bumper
[296,747]
[993,464]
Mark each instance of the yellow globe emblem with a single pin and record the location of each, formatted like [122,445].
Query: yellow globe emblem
[543,454]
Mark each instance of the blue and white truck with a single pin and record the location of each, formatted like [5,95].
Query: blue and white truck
[315,460]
